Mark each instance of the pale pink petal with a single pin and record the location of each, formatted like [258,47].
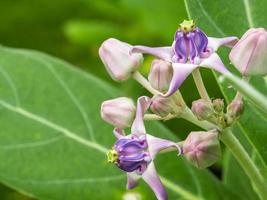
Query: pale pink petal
[132,180]
[138,127]
[152,179]
[215,43]
[180,73]
[119,133]
[165,53]
[214,62]
[155,145]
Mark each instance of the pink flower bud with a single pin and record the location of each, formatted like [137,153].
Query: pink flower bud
[234,111]
[201,148]
[160,75]
[249,54]
[118,60]
[202,109]
[118,112]
[162,106]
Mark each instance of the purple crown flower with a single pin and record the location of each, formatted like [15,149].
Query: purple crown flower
[134,153]
[191,49]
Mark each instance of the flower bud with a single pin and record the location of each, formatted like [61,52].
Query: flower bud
[160,75]
[202,109]
[201,148]
[119,112]
[118,60]
[162,106]
[218,105]
[234,111]
[249,54]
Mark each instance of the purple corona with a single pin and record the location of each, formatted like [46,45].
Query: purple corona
[190,44]
[130,154]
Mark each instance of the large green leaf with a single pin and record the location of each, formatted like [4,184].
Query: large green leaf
[226,18]
[53,142]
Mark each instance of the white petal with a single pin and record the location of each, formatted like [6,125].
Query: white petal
[119,133]
[132,180]
[215,43]
[180,73]
[138,127]
[165,53]
[214,62]
[156,144]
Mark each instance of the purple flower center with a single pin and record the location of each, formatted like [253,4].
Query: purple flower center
[190,46]
[131,154]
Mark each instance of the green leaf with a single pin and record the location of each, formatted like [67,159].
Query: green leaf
[53,141]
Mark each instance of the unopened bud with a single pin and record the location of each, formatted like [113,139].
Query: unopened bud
[161,106]
[160,75]
[118,112]
[201,148]
[234,111]
[249,54]
[202,109]
[118,60]
[218,105]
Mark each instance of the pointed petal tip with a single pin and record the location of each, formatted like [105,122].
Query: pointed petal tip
[215,43]
[151,177]
[165,53]
[214,62]
[118,132]
[180,73]
[138,127]
[132,180]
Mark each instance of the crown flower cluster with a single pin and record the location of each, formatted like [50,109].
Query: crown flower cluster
[134,153]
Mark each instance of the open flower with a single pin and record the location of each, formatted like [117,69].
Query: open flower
[191,49]
[134,153]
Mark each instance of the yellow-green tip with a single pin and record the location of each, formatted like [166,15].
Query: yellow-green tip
[112,156]
[187,26]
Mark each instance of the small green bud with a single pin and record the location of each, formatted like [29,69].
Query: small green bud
[203,110]
[218,105]
[234,111]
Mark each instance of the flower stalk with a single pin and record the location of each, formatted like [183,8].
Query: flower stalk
[144,82]
[200,85]
[245,161]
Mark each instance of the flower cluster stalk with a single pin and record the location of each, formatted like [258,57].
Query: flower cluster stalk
[235,146]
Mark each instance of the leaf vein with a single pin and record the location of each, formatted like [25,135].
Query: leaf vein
[209,18]
[54,126]
[30,144]
[11,84]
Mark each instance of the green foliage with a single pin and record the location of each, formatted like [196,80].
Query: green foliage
[55,162]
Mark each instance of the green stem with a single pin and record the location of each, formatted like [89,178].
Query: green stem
[248,91]
[246,163]
[143,81]
[189,116]
[200,85]
[227,137]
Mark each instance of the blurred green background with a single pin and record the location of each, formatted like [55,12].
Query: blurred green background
[74,29]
